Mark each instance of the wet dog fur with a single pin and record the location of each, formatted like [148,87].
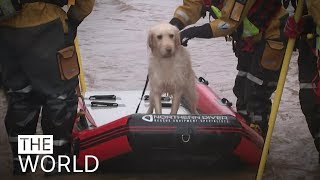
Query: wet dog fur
[170,69]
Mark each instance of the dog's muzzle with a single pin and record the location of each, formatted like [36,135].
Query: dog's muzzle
[168,52]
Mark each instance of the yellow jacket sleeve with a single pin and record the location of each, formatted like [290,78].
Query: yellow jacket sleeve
[189,12]
[232,15]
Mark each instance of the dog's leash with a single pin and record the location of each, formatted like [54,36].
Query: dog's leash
[144,90]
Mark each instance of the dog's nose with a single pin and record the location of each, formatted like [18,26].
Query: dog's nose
[169,50]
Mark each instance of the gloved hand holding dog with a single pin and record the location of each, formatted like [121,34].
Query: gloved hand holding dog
[187,34]
[203,31]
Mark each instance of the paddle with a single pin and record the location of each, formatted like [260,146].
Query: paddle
[278,94]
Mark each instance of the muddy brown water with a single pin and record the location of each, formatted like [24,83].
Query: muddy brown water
[114,52]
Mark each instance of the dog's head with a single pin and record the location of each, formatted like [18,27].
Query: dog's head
[164,40]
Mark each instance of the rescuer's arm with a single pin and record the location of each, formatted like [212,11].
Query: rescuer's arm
[186,14]
[76,14]
[80,10]
[232,14]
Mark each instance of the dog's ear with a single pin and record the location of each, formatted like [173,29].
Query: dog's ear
[150,40]
[177,37]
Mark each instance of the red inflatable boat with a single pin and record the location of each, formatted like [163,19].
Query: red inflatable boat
[110,129]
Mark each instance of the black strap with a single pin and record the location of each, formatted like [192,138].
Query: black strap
[177,22]
[55,2]
[144,90]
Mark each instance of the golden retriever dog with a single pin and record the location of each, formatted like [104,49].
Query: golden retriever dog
[170,69]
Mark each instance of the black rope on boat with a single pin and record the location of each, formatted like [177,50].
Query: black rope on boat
[144,90]
[203,80]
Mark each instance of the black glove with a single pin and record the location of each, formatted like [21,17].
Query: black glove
[203,31]
[186,35]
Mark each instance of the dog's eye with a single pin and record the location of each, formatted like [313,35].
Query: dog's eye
[159,37]
[171,36]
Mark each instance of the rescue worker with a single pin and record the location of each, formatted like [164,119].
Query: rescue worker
[255,25]
[307,32]
[31,70]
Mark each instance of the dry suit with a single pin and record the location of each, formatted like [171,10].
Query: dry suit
[259,53]
[308,64]
[29,44]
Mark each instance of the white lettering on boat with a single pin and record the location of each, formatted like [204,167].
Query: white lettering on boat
[220,119]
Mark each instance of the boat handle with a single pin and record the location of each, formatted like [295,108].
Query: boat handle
[103,104]
[163,98]
[185,138]
[103,97]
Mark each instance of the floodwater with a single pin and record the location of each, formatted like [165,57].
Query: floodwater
[113,43]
